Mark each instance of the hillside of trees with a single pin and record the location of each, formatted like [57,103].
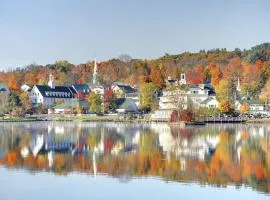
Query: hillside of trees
[218,66]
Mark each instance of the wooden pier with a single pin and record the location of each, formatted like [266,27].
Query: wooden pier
[224,120]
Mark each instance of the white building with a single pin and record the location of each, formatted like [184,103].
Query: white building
[255,106]
[202,95]
[46,95]
[25,88]
[126,91]
[98,89]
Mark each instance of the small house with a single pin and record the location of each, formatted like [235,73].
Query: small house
[126,105]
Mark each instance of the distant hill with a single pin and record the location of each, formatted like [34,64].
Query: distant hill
[198,67]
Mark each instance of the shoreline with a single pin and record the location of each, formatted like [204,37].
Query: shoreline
[115,119]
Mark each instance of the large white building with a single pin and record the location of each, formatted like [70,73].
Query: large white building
[46,95]
[181,94]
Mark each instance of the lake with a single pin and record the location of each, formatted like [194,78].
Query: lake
[72,160]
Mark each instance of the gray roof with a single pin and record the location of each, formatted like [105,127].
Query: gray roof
[207,100]
[252,102]
[126,104]
[247,99]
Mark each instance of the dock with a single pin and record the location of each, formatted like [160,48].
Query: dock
[224,120]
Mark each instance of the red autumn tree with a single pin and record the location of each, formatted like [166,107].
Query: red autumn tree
[109,99]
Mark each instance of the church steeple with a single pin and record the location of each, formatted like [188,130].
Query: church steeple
[238,88]
[95,73]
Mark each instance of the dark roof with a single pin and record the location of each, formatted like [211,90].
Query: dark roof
[47,91]
[127,88]
[119,102]
[81,88]
[171,81]
[3,88]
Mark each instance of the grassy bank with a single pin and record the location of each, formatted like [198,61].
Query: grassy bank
[101,119]
[18,119]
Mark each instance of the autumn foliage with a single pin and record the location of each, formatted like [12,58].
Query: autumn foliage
[244,108]
[181,116]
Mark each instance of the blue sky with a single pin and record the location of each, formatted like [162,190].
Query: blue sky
[79,30]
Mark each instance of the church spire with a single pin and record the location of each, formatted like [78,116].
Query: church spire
[95,73]
[238,88]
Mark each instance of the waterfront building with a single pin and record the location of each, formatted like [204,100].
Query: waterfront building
[255,106]
[47,95]
[70,107]
[179,94]
[126,91]
[126,105]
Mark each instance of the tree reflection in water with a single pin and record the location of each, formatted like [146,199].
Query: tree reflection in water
[218,155]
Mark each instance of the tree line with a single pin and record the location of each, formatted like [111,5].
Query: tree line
[220,67]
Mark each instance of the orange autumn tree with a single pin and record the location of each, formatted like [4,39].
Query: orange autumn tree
[244,108]
[157,77]
[224,106]
[233,70]
[13,84]
[215,73]
[194,76]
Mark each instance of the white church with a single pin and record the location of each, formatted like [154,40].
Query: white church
[95,86]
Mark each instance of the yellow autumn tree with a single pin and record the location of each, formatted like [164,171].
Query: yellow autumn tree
[224,106]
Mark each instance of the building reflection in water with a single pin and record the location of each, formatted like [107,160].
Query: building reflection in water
[220,155]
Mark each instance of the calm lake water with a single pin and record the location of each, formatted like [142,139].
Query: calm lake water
[54,160]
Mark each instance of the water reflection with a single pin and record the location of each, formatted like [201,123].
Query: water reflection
[218,155]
